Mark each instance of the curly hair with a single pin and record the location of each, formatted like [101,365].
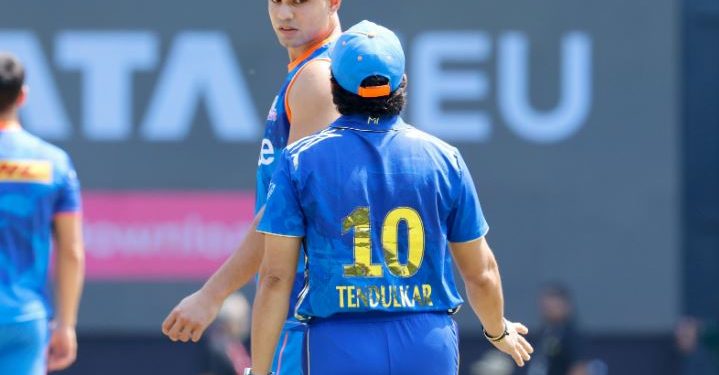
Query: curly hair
[349,103]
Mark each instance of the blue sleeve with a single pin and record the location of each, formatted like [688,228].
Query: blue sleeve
[68,198]
[466,221]
[283,214]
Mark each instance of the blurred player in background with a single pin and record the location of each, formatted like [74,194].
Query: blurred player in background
[560,347]
[492,362]
[381,209]
[39,199]
[698,341]
[303,106]
[227,354]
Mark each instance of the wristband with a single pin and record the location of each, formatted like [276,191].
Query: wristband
[499,338]
[248,371]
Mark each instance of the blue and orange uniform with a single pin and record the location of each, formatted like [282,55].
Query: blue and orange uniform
[37,183]
[377,203]
[277,129]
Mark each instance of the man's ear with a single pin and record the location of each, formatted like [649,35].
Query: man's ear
[335,5]
[22,97]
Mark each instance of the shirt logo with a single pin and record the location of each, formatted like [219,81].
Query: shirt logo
[37,171]
[272,116]
[267,153]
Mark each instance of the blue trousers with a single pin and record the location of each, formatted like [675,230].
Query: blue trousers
[382,344]
[288,355]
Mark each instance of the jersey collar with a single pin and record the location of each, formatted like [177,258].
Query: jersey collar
[366,123]
[292,65]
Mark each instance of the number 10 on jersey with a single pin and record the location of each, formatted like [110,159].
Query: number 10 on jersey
[359,221]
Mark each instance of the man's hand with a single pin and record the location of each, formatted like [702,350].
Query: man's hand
[515,344]
[62,350]
[191,317]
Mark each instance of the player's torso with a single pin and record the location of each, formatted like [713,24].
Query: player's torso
[377,206]
[28,187]
[28,191]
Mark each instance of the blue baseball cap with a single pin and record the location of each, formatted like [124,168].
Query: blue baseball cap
[364,50]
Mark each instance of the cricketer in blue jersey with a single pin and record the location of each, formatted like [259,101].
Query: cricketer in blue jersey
[302,106]
[39,200]
[380,209]
[277,132]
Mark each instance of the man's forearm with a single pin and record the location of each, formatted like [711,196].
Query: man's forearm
[240,267]
[480,272]
[268,316]
[70,274]
[485,297]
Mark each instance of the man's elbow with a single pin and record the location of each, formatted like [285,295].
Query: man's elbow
[276,280]
[72,254]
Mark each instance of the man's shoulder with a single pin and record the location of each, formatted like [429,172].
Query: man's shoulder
[313,143]
[312,76]
[443,154]
[429,140]
[37,147]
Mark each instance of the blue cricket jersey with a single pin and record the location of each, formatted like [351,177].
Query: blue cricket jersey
[377,202]
[37,182]
[277,131]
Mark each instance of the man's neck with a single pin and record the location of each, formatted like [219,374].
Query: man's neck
[294,53]
[9,121]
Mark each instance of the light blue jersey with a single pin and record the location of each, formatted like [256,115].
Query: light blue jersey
[377,202]
[37,182]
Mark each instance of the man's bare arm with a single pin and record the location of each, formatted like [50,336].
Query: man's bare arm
[191,317]
[242,265]
[69,267]
[272,300]
[69,277]
[480,272]
[310,100]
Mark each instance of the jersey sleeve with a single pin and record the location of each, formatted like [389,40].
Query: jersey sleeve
[68,198]
[466,221]
[283,214]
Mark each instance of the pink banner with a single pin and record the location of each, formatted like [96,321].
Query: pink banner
[162,235]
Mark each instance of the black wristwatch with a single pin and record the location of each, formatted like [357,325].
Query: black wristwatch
[248,371]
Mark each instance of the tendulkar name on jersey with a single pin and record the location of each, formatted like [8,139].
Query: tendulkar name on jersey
[386,296]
